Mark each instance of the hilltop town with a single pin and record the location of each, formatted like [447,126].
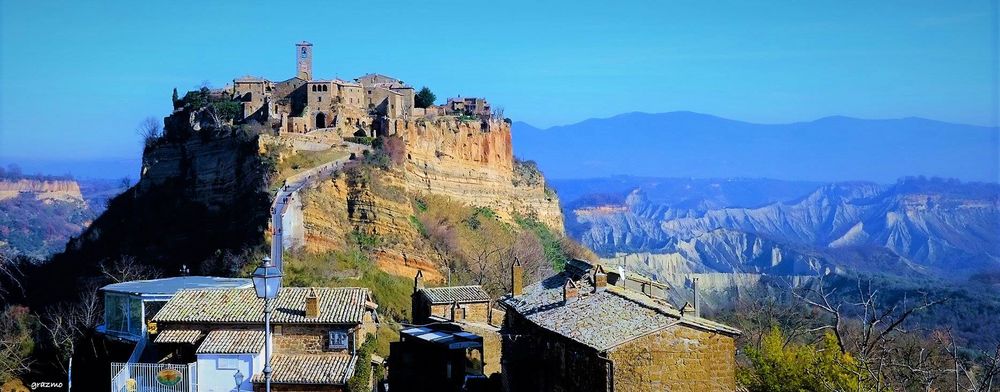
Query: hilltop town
[417,252]
[369,104]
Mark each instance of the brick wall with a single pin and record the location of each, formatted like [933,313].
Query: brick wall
[677,359]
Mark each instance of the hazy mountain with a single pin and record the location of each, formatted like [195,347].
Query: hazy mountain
[940,228]
[685,144]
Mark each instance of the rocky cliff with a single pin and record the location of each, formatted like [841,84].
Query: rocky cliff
[935,227]
[470,162]
[66,190]
[38,216]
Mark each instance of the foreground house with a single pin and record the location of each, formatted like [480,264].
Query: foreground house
[436,358]
[469,308]
[575,332]
[212,339]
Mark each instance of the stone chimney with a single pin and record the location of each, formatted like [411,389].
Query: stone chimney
[418,281]
[697,297]
[516,277]
[312,304]
[600,279]
[687,310]
[570,290]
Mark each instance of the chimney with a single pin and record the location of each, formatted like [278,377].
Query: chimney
[600,279]
[570,290]
[697,297]
[418,281]
[516,277]
[312,304]
[687,310]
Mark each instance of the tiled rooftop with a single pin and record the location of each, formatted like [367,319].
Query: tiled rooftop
[602,319]
[189,336]
[232,342]
[342,305]
[451,294]
[310,369]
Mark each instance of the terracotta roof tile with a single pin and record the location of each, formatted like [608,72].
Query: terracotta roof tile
[189,336]
[330,369]
[233,342]
[342,305]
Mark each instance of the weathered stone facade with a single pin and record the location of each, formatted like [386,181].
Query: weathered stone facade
[676,359]
[575,332]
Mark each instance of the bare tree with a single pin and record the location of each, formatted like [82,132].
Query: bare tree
[15,343]
[66,325]
[149,130]
[126,268]
[871,335]
[10,275]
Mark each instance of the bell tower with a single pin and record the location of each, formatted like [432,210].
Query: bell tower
[304,60]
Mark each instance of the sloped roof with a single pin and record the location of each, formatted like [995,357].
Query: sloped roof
[327,369]
[172,285]
[603,319]
[341,305]
[189,336]
[246,341]
[452,294]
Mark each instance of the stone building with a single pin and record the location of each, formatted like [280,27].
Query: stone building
[436,357]
[576,332]
[468,105]
[316,332]
[468,308]
[302,104]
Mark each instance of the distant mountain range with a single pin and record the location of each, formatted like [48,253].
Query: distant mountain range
[915,227]
[686,144]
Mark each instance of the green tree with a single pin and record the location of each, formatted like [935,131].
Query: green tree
[424,98]
[791,367]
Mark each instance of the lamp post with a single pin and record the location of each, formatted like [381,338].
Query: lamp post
[267,282]
[238,377]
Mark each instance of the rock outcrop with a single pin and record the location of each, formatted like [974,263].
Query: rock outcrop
[470,162]
[65,190]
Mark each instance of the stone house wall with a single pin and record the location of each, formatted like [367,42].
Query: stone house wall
[679,358]
[536,359]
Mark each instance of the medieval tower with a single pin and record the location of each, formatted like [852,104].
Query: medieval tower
[304,60]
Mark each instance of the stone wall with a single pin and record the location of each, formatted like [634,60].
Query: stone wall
[676,359]
[535,359]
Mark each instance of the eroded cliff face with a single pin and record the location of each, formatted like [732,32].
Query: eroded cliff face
[474,163]
[65,190]
[470,162]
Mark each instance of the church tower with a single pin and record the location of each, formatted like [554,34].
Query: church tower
[304,60]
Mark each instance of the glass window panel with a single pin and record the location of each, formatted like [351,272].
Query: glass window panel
[135,316]
[115,312]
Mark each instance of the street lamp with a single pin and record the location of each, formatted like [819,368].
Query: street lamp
[267,282]
[238,377]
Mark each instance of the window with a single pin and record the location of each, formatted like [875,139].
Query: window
[337,340]
[123,314]
[228,363]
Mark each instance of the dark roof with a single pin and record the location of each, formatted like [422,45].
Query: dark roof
[603,319]
[342,305]
[327,369]
[172,285]
[452,294]
[450,339]
[248,341]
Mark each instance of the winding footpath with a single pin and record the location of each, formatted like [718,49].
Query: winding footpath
[287,196]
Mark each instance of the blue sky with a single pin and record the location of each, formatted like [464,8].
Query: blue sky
[77,77]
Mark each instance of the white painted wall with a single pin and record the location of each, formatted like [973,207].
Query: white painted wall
[216,371]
